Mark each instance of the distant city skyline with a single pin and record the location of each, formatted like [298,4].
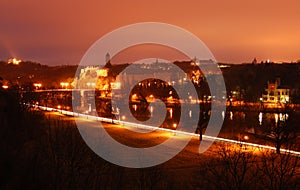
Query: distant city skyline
[59,33]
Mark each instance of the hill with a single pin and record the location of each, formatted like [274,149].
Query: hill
[252,79]
[248,79]
[30,72]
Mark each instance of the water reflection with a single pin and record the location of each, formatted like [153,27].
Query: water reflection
[235,122]
[276,118]
[231,115]
[190,113]
[260,118]
[283,117]
[171,113]
[271,118]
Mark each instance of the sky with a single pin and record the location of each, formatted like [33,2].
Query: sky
[60,32]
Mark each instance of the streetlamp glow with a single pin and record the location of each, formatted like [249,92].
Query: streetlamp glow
[246,137]
[37,85]
[134,96]
[4,86]
[174,125]
[64,84]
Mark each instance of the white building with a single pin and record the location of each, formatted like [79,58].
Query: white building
[275,93]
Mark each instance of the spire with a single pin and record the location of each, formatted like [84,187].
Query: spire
[254,61]
[107,58]
[107,61]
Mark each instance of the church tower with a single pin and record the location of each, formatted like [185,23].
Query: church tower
[107,58]
[107,61]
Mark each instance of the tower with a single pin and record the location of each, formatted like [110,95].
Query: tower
[107,58]
[254,62]
[107,61]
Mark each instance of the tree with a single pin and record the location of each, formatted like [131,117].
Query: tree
[150,178]
[283,133]
[278,171]
[231,169]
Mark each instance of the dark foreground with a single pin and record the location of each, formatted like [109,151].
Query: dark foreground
[45,151]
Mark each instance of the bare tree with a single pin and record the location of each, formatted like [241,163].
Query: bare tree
[284,132]
[150,178]
[231,169]
[279,171]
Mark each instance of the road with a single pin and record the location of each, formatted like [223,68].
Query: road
[160,133]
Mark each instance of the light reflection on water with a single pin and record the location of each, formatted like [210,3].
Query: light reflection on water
[276,118]
[231,115]
[238,119]
[190,113]
[260,118]
[170,112]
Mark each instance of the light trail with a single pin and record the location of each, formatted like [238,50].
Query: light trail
[152,128]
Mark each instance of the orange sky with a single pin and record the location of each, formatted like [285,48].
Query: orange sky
[54,32]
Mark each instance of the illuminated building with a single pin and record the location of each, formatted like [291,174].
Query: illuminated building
[14,61]
[275,93]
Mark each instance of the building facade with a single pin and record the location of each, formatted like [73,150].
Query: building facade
[275,93]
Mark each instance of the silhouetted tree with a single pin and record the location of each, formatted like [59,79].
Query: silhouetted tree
[284,131]
[231,169]
[278,171]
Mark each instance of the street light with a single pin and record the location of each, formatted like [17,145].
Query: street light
[64,84]
[4,86]
[174,127]
[123,118]
[59,108]
[37,85]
